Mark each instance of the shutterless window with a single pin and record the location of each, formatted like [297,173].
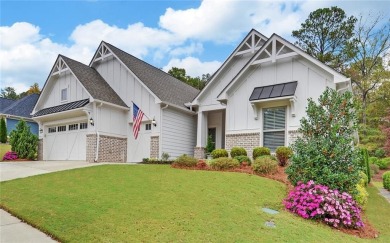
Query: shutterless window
[73,127]
[148,127]
[64,94]
[61,128]
[274,127]
[52,129]
[83,125]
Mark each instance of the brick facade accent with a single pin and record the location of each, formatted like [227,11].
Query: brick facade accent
[292,136]
[154,146]
[40,149]
[245,140]
[111,149]
[200,152]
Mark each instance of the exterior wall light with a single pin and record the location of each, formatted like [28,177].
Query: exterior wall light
[154,122]
[91,121]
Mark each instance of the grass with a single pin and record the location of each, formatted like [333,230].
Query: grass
[3,149]
[121,203]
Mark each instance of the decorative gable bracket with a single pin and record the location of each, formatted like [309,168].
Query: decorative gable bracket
[255,106]
[102,53]
[274,50]
[59,67]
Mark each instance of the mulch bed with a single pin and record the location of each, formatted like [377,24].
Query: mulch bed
[378,177]
[17,160]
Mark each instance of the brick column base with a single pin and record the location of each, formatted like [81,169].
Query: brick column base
[111,149]
[40,149]
[199,152]
[154,146]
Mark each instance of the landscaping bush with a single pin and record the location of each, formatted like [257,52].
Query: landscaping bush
[264,165]
[185,161]
[224,163]
[210,146]
[374,168]
[311,201]
[154,161]
[3,131]
[373,160]
[259,151]
[268,156]
[218,153]
[380,153]
[10,156]
[384,163]
[283,154]
[164,156]
[365,164]
[362,196]
[324,152]
[201,164]
[23,142]
[237,151]
[363,179]
[243,158]
[386,180]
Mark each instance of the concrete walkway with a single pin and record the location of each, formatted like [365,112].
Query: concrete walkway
[385,193]
[13,229]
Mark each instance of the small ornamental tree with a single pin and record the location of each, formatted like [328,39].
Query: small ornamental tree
[325,153]
[3,131]
[23,142]
[386,130]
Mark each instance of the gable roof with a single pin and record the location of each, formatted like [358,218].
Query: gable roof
[22,107]
[93,82]
[166,87]
[4,103]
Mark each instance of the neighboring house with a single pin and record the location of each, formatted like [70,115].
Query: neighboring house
[256,98]
[15,110]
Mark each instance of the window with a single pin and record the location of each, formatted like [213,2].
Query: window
[52,129]
[61,128]
[83,125]
[64,94]
[148,127]
[274,126]
[73,127]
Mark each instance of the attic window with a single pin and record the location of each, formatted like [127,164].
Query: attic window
[64,94]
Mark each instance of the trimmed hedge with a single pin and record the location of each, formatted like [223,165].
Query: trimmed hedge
[218,153]
[243,158]
[259,151]
[185,161]
[283,154]
[264,166]
[237,151]
[386,180]
[224,163]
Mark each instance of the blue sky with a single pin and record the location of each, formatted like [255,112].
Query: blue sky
[195,35]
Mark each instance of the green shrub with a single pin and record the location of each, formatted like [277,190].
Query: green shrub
[243,158]
[366,164]
[386,180]
[210,146]
[224,163]
[165,156]
[185,161]
[374,169]
[3,131]
[268,156]
[218,153]
[384,163]
[264,166]
[380,153]
[361,197]
[363,179]
[237,151]
[259,151]
[373,160]
[324,152]
[283,154]
[23,142]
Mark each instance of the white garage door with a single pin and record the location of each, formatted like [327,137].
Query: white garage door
[66,142]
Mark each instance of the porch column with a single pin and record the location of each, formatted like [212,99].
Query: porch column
[199,151]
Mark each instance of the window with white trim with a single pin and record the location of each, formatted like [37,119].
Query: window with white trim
[83,125]
[73,127]
[274,127]
[52,130]
[64,94]
[61,128]
[148,127]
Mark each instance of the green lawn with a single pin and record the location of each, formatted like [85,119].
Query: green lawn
[3,149]
[155,203]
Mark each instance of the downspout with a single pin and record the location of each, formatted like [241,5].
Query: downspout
[97,132]
[161,129]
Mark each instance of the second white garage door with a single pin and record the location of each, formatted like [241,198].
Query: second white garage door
[65,142]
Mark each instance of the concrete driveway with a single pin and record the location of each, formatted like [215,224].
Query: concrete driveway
[14,170]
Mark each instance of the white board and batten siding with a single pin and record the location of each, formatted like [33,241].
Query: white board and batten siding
[178,133]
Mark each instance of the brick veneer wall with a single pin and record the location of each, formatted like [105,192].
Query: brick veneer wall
[40,149]
[199,152]
[245,140]
[111,149]
[154,146]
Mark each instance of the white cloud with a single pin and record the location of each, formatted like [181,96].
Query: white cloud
[193,66]
[187,50]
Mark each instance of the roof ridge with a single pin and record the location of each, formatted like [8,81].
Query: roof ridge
[17,102]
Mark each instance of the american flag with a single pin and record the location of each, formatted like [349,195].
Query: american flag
[137,119]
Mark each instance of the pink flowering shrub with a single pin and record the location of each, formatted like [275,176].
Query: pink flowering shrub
[10,156]
[311,201]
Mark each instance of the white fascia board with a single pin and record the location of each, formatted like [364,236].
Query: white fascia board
[111,104]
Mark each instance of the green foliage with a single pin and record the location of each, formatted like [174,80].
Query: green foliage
[283,154]
[185,161]
[23,142]
[259,151]
[380,153]
[365,164]
[325,153]
[327,35]
[363,179]
[218,153]
[196,82]
[374,169]
[264,166]
[210,144]
[8,93]
[3,131]
[164,156]
[361,197]
[237,151]
[243,158]
[224,163]
[382,163]
[386,180]
[385,127]
[268,156]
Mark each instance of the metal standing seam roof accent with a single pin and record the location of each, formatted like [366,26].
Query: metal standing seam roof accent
[166,87]
[60,108]
[274,91]
[21,107]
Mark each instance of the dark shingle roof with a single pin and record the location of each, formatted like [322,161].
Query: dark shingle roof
[22,107]
[164,86]
[64,107]
[4,103]
[93,82]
